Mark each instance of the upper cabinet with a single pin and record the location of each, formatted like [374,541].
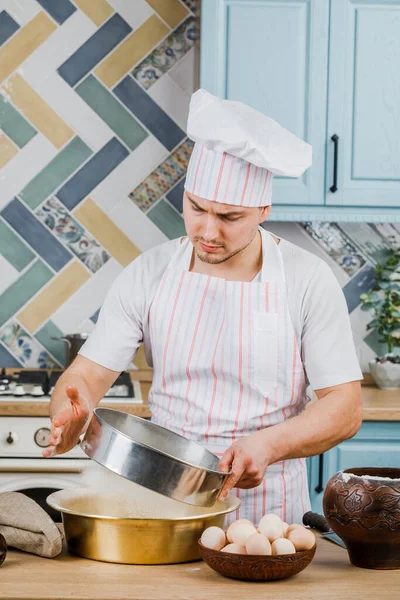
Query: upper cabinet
[329,72]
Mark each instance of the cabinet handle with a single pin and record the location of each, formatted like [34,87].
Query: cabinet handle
[335,140]
[320,487]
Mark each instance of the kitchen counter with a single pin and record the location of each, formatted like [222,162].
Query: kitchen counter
[329,577]
[378,405]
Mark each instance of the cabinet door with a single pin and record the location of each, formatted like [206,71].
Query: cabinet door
[272,55]
[376,444]
[364,103]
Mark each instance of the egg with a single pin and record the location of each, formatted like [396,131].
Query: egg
[241,532]
[282,546]
[258,544]
[301,538]
[271,526]
[285,528]
[214,538]
[291,527]
[234,525]
[234,549]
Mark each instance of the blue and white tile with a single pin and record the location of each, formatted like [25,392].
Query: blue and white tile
[60,11]
[22,12]
[67,230]
[129,174]
[8,274]
[33,157]
[87,299]
[26,349]
[172,99]
[134,223]
[135,13]
[8,26]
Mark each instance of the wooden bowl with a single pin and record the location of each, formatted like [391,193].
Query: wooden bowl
[251,567]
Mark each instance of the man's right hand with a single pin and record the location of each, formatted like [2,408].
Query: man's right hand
[68,423]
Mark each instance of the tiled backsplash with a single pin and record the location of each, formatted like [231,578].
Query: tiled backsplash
[93,152]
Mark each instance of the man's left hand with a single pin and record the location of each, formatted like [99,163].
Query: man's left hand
[248,460]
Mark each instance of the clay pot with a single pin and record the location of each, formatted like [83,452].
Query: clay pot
[362,505]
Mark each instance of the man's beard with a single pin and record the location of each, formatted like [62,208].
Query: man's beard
[215,260]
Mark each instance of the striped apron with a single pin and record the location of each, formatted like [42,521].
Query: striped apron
[227,364]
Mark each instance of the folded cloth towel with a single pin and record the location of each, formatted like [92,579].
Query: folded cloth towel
[26,526]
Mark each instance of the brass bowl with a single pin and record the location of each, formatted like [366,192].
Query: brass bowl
[106,527]
[251,567]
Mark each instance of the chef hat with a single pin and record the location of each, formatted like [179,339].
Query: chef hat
[237,150]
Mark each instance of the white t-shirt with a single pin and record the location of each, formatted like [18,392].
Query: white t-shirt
[316,304]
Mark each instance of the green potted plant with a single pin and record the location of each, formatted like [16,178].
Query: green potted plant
[384,301]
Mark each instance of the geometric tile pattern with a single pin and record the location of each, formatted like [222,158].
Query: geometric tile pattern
[93,101]
[74,106]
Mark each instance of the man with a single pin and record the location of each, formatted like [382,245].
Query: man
[235,323]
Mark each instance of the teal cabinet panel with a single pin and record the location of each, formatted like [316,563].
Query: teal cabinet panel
[272,55]
[376,444]
[364,103]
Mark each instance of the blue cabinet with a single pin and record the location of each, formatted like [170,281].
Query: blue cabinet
[376,444]
[319,68]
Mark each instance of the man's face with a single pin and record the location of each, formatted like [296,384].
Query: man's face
[220,231]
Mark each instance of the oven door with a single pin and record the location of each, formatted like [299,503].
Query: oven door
[40,477]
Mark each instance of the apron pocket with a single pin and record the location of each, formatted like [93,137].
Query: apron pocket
[265,363]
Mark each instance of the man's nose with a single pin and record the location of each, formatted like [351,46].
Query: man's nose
[211,230]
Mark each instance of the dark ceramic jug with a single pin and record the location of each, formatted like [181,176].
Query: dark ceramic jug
[362,505]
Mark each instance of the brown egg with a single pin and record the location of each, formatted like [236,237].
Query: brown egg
[258,544]
[234,549]
[282,546]
[301,538]
[214,538]
[241,532]
[233,525]
[271,526]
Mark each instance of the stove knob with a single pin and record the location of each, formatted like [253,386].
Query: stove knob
[19,390]
[10,439]
[42,437]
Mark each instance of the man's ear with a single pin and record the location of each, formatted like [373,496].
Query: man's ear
[265,213]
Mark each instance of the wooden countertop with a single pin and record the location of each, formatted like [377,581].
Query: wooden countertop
[378,405]
[329,577]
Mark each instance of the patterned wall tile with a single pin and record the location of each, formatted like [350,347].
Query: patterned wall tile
[7,26]
[71,233]
[98,11]
[95,49]
[112,112]
[192,5]
[14,125]
[13,248]
[92,173]
[131,51]
[39,113]
[358,285]
[55,173]
[337,245]
[172,11]
[23,43]
[166,55]
[149,113]
[54,295]
[22,290]
[105,230]
[9,274]
[163,178]
[25,348]
[60,10]
[37,236]
[134,13]
[7,150]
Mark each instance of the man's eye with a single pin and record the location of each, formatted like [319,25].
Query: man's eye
[196,208]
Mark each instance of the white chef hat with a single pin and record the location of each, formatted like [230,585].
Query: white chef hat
[237,150]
